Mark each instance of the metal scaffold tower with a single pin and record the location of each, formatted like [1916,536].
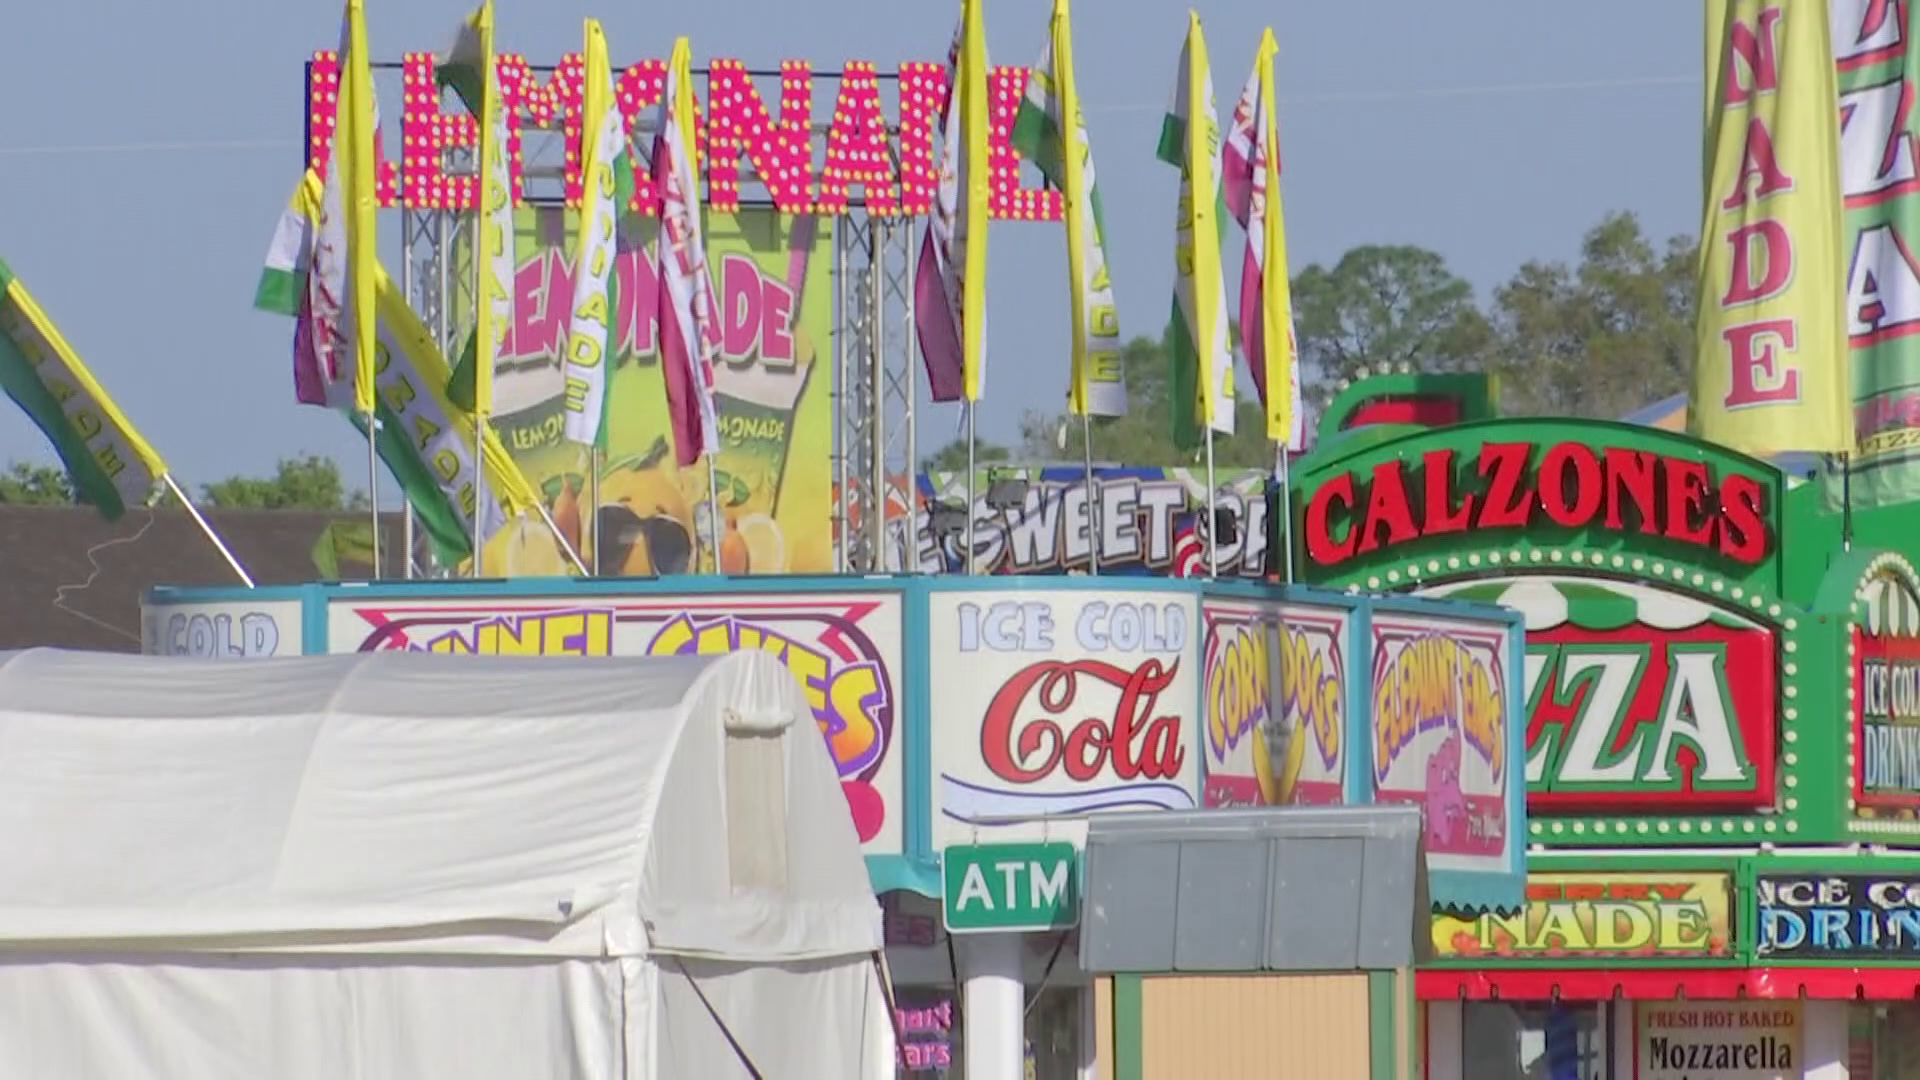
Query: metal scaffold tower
[875,439]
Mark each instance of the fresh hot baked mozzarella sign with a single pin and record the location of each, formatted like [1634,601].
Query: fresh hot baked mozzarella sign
[1060,703]
[1750,1040]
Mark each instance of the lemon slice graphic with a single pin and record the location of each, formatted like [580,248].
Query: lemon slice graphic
[766,545]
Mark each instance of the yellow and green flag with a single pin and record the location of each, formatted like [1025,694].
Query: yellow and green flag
[607,186]
[1203,391]
[1771,361]
[111,465]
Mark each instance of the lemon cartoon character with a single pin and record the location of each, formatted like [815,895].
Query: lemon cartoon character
[523,548]
[645,521]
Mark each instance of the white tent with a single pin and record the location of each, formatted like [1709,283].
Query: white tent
[411,867]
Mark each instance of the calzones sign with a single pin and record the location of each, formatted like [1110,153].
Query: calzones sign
[1049,705]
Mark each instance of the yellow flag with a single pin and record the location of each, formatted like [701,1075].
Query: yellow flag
[494,312]
[1770,362]
[974,103]
[356,123]
[1276,300]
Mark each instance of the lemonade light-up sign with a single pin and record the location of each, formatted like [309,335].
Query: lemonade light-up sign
[734,125]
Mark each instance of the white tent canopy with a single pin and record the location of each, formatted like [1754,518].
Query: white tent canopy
[405,865]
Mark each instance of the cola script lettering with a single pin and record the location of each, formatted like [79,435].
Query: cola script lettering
[1033,728]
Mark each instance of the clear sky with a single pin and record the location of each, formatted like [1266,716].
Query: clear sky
[147,148]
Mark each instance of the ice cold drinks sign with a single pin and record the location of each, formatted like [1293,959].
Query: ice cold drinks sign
[1056,704]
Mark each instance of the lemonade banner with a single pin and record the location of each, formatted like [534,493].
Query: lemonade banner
[771,278]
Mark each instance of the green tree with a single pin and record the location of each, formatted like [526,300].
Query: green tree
[1384,308]
[36,485]
[953,456]
[1602,338]
[311,482]
[1145,435]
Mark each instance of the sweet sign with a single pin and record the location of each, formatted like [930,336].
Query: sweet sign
[1440,730]
[739,130]
[1049,705]
[1275,698]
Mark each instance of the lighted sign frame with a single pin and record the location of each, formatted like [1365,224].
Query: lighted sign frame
[1751,589]
[1860,573]
[733,122]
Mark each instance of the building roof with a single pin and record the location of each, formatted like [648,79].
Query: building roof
[71,579]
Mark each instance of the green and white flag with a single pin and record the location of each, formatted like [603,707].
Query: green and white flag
[1043,135]
[111,466]
[1203,389]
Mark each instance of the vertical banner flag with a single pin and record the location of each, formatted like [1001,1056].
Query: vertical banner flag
[471,70]
[1202,354]
[936,282]
[1251,177]
[974,104]
[607,179]
[686,288]
[424,438]
[1770,362]
[1051,132]
[1874,50]
[110,465]
[336,368]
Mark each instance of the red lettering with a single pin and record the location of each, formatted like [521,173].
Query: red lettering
[740,313]
[1753,353]
[1757,160]
[1441,517]
[1673,891]
[1387,505]
[1629,892]
[1687,502]
[1758,47]
[1134,743]
[1508,504]
[1763,248]
[1570,485]
[1743,534]
[781,153]
[1322,548]
[1586,891]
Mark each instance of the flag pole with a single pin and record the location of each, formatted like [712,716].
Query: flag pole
[1213,503]
[373,481]
[1846,502]
[1093,495]
[713,512]
[482,365]
[593,506]
[207,527]
[967,556]
[566,546]
[1285,510]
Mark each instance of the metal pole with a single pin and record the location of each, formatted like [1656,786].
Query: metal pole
[910,551]
[406,290]
[877,232]
[713,512]
[225,552]
[406,540]
[843,511]
[593,505]
[482,358]
[566,548]
[373,482]
[1213,519]
[1093,495]
[1285,510]
[968,555]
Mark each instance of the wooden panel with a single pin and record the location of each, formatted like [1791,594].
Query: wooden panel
[1255,1027]
[1103,1027]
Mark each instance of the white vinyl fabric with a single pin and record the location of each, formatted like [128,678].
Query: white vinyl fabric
[420,866]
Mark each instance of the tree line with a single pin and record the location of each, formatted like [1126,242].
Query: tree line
[309,482]
[1598,337]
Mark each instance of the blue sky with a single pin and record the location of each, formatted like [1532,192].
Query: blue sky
[141,169]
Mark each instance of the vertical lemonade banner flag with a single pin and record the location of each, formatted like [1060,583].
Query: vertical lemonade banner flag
[1251,176]
[686,287]
[110,464]
[425,440]
[344,253]
[608,180]
[1050,131]
[974,106]
[1770,362]
[1877,54]
[936,283]
[1201,354]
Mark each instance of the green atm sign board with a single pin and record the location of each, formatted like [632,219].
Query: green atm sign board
[1011,888]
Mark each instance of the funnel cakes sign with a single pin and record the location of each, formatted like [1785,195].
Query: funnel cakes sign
[844,649]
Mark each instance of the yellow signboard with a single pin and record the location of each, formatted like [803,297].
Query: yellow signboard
[1581,916]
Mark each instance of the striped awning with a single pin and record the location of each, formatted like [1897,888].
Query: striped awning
[1591,603]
